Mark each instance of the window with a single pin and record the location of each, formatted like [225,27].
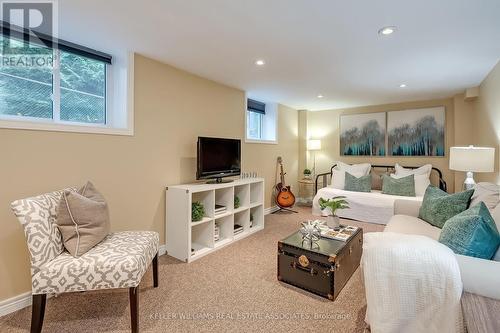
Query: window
[60,87]
[254,125]
[261,122]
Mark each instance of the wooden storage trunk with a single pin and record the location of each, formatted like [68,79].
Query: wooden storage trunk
[324,270]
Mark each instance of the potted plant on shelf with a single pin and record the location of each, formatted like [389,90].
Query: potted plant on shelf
[329,208]
[236,202]
[307,173]
[197,211]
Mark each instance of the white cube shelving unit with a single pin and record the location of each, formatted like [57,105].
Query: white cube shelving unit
[187,240]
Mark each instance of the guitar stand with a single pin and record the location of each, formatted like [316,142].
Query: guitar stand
[284,210]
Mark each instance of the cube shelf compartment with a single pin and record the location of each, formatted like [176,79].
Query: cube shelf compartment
[188,240]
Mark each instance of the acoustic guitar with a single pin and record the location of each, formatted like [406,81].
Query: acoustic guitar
[284,196]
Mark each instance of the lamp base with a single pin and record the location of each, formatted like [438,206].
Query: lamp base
[469,182]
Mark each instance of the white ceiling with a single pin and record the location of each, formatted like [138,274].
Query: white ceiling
[326,47]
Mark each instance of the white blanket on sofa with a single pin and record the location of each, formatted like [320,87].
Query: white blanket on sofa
[412,284]
[373,207]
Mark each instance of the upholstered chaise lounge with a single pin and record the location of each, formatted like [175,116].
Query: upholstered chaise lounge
[119,261]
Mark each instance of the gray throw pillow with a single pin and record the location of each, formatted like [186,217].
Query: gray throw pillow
[399,186]
[361,184]
[83,219]
[488,193]
[439,206]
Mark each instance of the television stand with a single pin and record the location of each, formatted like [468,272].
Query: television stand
[219,180]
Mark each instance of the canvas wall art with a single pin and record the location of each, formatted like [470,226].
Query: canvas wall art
[363,134]
[419,132]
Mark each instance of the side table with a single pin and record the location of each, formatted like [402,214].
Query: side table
[306,192]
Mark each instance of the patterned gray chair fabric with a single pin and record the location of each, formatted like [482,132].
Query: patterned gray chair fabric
[119,261]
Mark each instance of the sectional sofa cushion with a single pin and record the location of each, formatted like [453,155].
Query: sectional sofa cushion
[472,233]
[439,206]
[404,186]
[82,219]
[358,184]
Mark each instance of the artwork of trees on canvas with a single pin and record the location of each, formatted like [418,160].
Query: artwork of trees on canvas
[417,132]
[363,134]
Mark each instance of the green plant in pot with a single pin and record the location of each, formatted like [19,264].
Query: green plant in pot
[307,173]
[330,206]
[236,202]
[197,211]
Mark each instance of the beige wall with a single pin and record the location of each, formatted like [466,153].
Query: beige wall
[464,136]
[324,125]
[172,108]
[487,120]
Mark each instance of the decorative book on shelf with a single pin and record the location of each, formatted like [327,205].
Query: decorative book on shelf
[238,229]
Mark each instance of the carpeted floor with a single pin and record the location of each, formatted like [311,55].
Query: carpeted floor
[232,290]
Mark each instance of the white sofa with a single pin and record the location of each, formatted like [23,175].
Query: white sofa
[479,276]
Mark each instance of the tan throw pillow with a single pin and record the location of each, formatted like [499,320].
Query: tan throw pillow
[83,219]
[376,181]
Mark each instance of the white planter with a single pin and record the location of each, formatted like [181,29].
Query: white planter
[333,222]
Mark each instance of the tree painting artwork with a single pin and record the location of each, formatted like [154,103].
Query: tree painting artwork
[363,134]
[418,132]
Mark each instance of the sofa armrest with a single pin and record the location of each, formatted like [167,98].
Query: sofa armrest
[480,276]
[407,207]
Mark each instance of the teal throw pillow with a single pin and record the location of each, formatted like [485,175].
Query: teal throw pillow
[439,206]
[361,184]
[399,186]
[472,233]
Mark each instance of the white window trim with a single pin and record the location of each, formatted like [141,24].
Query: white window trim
[40,124]
[262,141]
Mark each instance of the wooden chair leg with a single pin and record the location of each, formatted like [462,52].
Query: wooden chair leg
[37,312]
[134,309]
[155,271]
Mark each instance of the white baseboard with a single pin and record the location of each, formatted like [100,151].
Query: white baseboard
[15,303]
[24,300]
[270,210]
[162,249]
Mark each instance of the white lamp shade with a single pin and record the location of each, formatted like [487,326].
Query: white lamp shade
[474,159]
[313,144]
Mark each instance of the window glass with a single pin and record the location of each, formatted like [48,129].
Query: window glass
[38,82]
[254,125]
[25,89]
[83,89]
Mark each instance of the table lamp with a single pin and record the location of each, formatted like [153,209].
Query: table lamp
[314,145]
[472,159]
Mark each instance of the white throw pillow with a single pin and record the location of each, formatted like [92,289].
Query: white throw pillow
[421,183]
[357,170]
[363,168]
[495,213]
[423,170]
[488,193]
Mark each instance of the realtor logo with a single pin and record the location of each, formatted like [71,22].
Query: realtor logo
[27,27]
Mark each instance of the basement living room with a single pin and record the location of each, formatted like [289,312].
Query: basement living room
[250,166]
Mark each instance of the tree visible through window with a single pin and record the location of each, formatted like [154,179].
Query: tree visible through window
[71,88]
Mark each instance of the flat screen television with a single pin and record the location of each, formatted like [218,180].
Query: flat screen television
[218,158]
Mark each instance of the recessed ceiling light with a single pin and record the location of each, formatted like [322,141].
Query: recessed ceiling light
[387,30]
[320,96]
[402,85]
[260,62]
